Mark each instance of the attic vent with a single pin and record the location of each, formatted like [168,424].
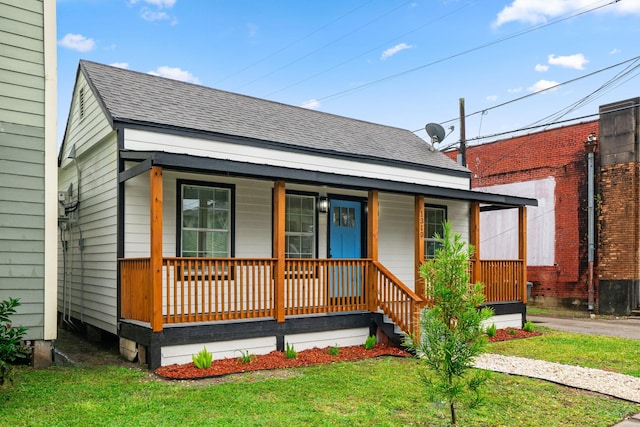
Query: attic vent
[81,103]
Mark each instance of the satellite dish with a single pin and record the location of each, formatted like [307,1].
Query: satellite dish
[436,132]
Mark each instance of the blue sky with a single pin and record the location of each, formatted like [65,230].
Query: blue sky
[395,62]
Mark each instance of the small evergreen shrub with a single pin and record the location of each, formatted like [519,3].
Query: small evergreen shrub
[12,347]
[290,352]
[491,330]
[512,331]
[203,359]
[370,342]
[528,326]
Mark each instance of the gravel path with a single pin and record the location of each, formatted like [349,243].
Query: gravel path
[604,382]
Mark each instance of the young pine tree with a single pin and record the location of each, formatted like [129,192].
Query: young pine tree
[451,333]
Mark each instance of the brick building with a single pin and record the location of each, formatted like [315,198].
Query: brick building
[552,166]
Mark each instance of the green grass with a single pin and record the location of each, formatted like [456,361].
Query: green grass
[592,351]
[384,392]
[556,312]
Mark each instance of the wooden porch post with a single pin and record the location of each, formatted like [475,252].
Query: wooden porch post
[474,240]
[419,243]
[279,202]
[155,190]
[372,244]
[522,249]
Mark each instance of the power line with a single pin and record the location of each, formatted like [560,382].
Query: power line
[317,30]
[428,23]
[324,46]
[538,92]
[438,61]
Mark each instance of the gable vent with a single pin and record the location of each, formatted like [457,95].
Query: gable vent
[81,103]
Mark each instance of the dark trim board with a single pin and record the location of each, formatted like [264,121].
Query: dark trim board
[218,332]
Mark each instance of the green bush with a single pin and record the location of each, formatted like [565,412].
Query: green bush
[451,332]
[245,356]
[12,347]
[290,352]
[370,342]
[528,326]
[491,330]
[334,351]
[203,359]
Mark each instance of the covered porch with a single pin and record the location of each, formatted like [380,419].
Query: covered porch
[160,291]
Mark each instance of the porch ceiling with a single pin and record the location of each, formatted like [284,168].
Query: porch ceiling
[185,162]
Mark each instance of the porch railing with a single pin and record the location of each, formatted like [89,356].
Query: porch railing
[213,289]
[396,300]
[325,285]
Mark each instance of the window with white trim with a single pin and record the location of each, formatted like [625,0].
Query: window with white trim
[300,226]
[434,219]
[206,217]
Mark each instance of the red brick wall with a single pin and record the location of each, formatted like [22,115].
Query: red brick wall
[618,244]
[557,153]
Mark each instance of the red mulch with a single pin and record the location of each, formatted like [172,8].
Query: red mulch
[511,334]
[314,356]
[277,360]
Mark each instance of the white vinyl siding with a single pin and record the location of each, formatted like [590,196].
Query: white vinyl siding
[395,236]
[89,284]
[149,141]
[252,217]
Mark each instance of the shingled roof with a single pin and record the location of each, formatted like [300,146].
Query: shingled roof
[139,98]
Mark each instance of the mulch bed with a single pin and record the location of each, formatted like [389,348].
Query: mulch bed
[314,356]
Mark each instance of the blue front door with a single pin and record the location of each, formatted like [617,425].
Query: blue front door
[345,241]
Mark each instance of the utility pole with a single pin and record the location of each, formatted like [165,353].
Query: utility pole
[463,137]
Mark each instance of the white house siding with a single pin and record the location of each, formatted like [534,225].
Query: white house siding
[499,229]
[27,135]
[87,288]
[395,235]
[149,141]
[457,214]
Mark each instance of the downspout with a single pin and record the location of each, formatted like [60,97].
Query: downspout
[590,145]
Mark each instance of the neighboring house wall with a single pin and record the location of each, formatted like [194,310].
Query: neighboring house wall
[28,207]
[87,288]
[619,207]
[550,166]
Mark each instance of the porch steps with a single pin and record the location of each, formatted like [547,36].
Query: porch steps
[635,314]
[391,330]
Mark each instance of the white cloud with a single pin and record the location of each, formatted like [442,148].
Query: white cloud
[492,98]
[161,4]
[539,11]
[153,15]
[615,51]
[514,90]
[312,104]
[77,42]
[576,61]
[541,68]
[175,73]
[542,85]
[393,50]
[124,65]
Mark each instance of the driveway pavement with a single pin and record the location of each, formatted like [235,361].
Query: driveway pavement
[626,328]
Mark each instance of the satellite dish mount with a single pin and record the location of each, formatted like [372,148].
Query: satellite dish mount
[436,133]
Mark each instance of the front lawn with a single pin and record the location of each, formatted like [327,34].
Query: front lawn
[383,392]
[591,351]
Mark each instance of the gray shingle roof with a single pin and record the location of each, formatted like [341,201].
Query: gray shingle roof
[130,96]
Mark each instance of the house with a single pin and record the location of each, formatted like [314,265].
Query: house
[198,217]
[28,174]
[574,261]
